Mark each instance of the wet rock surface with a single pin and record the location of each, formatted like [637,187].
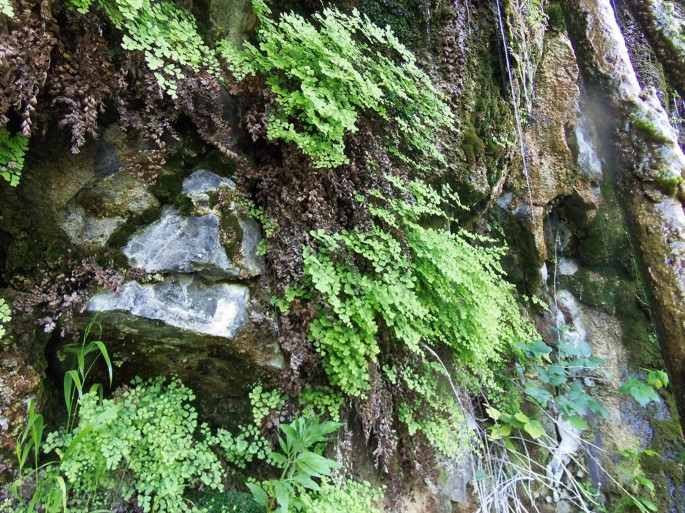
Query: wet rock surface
[651,165]
[193,315]
[663,23]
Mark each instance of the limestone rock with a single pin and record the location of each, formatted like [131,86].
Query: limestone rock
[181,244]
[216,242]
[103,206]
[180,303]
[201,184]
[200,331]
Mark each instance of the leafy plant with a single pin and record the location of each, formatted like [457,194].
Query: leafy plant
[269,224]
[638,484]
[5,317]
[45,486]
[300,463]
[433,409]
[242,448]
[646,392]
[422,284]
[321,401]
[554,380]
[166,35]
[324,73]
[6,8]
[347,497]
[12,151]
[41,488]
[231,501]
[75,380]
[138,445]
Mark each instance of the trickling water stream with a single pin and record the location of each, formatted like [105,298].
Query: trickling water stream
[516,108]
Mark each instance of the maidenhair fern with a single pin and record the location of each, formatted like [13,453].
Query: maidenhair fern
[166,36]
[12,151]
[327,72]
[436,287]
[138,445]
[434,410]
[5,317]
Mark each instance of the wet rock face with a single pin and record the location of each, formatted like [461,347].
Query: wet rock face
[562,169]
[651,165]
[181,244]
[663,23]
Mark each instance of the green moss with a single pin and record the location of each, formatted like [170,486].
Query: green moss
[649,130]
[472,145]
[622,296]
[407,18]
[606,239]
[231,233]
[213,198]
[555,16]
[148,216]
[122,234]
[669,464]
[168,186]
[669,180]
[184,205]
[22,255]
[56,248]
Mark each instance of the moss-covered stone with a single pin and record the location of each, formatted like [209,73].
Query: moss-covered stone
[167,187]
[472,145]
[121,236]
[666,469]
[409,19]
[184,205]
[555,16]
[231,233]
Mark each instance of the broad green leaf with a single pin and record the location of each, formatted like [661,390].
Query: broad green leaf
[534,429]
[258,494]
[283,492]
[577,422]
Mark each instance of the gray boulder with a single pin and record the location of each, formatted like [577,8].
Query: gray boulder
[214,241]
[104,206]
[181,244]
[182,303]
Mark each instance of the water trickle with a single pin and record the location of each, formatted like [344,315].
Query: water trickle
[516,104]
[588,160]
[526,71]
[427,17]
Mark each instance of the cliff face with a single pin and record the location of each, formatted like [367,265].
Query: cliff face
[567,142]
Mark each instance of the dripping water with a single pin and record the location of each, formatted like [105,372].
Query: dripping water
[427,17]
[526,72]
[517,114]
